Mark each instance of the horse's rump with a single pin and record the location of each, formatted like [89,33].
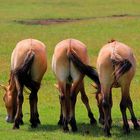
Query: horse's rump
[121,65]
[24,71]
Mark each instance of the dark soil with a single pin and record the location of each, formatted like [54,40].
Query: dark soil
[59,20]
[46,21]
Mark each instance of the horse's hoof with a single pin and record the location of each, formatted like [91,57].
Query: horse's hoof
[74,129]
[127,130]
[15,127]
[93,122]
[92,119]
[60,122]
[66,130]
[108,134]
[38,121]
[73,124]
[21,122]
[137,127]
[34,125]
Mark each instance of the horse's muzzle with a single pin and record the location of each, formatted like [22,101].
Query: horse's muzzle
[9,119]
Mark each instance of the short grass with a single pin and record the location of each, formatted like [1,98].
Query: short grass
[94,33]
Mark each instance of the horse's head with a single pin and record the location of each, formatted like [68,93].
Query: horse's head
[9,99]
[99,99]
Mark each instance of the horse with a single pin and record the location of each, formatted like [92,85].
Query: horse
[28,65]
[116,67]
[70,63]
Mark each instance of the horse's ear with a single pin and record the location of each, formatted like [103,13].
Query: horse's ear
[56,85]
[3,87]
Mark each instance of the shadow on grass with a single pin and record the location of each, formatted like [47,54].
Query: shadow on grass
[91,130]
[47,127]
[117,132]
[83,129]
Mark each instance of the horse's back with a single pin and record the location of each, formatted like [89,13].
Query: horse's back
[61,64]
[39,65]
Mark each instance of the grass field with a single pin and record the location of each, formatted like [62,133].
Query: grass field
[99,25]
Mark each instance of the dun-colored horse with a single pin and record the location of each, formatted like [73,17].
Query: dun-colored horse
[70,65]
[28,65]
[116,68]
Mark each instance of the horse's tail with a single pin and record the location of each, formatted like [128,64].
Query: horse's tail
[27,63]
[121,66]
[83,68]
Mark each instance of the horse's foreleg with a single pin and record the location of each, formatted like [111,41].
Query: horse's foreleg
[86,102]
[18,117]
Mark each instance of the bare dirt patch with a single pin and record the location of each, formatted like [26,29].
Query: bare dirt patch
[67,20]
[46,21]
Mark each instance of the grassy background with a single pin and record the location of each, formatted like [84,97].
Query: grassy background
[94,33]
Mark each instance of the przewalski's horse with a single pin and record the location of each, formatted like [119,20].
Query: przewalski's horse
[70,65]
[116,67]
[28,65]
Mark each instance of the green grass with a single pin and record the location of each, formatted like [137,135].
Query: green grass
[94,33]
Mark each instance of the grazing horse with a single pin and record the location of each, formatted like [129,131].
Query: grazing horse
[70,65]
[28,65]
[116,67]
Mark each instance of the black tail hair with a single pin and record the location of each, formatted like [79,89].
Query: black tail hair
[83,68]
[24,72]
[26,65]
[123,67]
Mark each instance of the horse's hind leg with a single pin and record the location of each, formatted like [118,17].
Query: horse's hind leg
[86,102]
[125,101]
[36,109]
[74,91]
[133,117]
[34,119]
[72,120]
[64,105]
[111,103]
